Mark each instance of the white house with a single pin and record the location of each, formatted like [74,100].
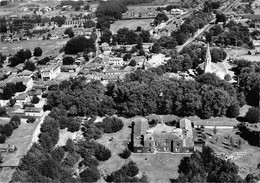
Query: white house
[116,61]
[176,11]
[33,111]
[50,72]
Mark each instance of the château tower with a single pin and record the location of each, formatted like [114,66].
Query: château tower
[207,63]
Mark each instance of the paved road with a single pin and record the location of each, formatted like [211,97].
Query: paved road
[205,28]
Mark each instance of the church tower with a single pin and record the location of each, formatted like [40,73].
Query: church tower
[207,63]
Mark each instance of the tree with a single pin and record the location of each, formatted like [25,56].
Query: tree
[231,142]
[12,101]
[106,36]
[45,141]
[220,17]
[145,36]
[71,34]
[77,8]
[139,28]
[90,174]
[29,66]
[16,118]
[86,7]
[215,130]
[68,61]
[37,52]
[239,143]
[74,126]
[8,129]
[132,63]
[79,44]
[14,61]
[2,111]
[252,115]
[20,87]
[59,20]
[227,77]
[35,100]
[102,153]
[125,154]
[27,54]
[233,111]
[2,138]
[156,48]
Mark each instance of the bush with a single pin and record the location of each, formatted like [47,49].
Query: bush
[2,138]
[31,119]
[252,116]
[68,61]
[125,154]
[8,129]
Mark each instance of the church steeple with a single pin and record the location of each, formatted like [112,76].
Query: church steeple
[207,63]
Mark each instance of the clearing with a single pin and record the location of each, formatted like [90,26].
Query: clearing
[242,53]
[247,157]
[21,138]
[131,24]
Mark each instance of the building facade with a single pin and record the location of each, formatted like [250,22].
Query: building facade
[161,138]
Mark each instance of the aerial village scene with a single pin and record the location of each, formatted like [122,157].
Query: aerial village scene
[155,91]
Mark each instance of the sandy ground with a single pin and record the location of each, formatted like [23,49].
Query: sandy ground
[64,135]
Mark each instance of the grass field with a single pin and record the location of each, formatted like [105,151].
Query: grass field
[116,146]
[242,53]
[21,138]
[159,167]
[131,24]
[48,46]
[247,163]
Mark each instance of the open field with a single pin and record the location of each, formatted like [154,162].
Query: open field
[221,143]
[21,138]
[242,53]
[131,24]
[116,146]
[159,167]
[48,46]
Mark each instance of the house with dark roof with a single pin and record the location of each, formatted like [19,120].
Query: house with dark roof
[22,99]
